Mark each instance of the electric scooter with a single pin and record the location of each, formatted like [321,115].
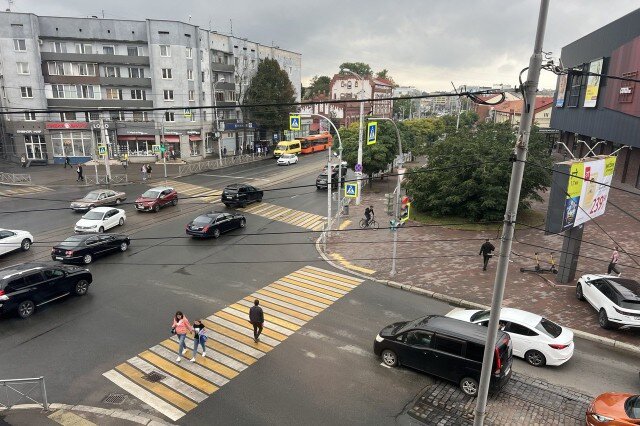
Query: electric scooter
[541,270]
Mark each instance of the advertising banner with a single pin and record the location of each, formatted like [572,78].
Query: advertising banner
[593,84]
[595,189]
[562,89]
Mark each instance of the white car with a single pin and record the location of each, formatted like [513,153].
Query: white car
[287,159]
[536,339]
[11,239]
[100,219]
[617,300]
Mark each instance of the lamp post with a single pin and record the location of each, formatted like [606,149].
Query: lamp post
[360,131]
[397,204]
[215,111]
[162,142]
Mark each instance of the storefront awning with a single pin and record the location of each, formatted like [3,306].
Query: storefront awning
[136,137]
[194,138]
[171,138]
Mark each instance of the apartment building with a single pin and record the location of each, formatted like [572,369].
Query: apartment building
[76,63]
[345,86]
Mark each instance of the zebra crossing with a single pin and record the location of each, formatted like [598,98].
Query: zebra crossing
[22,191]
[283,214]
[175,388]
[191,193]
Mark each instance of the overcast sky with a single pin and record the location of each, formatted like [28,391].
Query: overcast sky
[423,43]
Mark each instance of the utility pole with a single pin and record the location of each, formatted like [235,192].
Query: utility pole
[517,171]
[105,140]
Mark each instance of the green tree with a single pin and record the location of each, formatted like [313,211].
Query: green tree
[477,183]
[318,85]
[271,85]
[375,157]
[425,131]
[358,67]
[401,108]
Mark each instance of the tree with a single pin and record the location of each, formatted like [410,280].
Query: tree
[318,85]
[383,74]
[271,85]
[473,173]
[359,68]
[425,131]
[375,157]
[401,108]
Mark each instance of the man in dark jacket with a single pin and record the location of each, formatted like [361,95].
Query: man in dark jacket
[256,318]
[486,250]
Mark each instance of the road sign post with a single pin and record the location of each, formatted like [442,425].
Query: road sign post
[372,132]
[294,122]
[351,190]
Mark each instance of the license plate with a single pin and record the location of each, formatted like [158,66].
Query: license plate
[58,258]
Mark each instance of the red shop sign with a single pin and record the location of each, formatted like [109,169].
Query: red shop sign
[67,125]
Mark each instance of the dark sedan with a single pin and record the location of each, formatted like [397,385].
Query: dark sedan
[86,247]
[213,224]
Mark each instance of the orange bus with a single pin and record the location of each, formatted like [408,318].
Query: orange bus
[315,143]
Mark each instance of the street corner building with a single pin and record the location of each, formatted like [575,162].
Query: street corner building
[75,63]
[599,115]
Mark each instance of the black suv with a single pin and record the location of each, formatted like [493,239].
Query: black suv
[321,180]
[240,194]
[29,285]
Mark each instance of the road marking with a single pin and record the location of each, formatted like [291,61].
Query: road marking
[344,225]
[236,177]
[67,418]
[288,304]
[286,215]
[341,260]
[196,193]
[19,191]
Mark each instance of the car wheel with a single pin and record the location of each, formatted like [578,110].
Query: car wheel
[389,358]
[101,229]
[469,385]
[535,358]
[121,221]
[216,233]
[243,223]
[118,201]
[124,246]
[87,259]
[156,208]
[174,202]
[603,319]
[227,205]
[26,308]
[81,288]
[26,244]
[579,294]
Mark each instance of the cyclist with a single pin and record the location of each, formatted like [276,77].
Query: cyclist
[369,214]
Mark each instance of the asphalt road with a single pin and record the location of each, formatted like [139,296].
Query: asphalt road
[325,373]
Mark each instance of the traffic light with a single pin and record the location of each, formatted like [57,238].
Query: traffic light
[405,209]
[393,225]
[389,202]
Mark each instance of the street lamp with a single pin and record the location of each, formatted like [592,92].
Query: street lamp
[360,131]
[215,111]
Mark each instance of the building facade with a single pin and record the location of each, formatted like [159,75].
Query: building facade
[603,111]
[345,86]
[75,63]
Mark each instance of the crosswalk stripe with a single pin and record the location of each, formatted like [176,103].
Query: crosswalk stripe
[328,279]
[295,217]
[333,291]
[316,289]
[262,346]
[293,294]
[216,354]
[330,274]
[210,364]
[277,294]
[259,208]
[253,207]
[197,370]
[243,330]
[321,281]
[275,324]
[313,222]
[178,372]
[157,388]
[144,395]
[305,292]
[282,311]
[230,315]
[276,212]
[304,220]
[236,346]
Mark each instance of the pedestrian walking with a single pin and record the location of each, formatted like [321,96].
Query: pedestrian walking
[125,161]
[486,251]
[256,318]
[79,171]
[143,171]
[67,162]
[23,161]
[181,327]
[199,338]
[224,151]
[149,171]
[613,263]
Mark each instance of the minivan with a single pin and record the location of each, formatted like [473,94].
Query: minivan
[287,147]
[447,348]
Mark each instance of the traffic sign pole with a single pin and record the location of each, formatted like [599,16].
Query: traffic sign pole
[105,139]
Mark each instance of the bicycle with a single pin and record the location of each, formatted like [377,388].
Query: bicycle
[372,224]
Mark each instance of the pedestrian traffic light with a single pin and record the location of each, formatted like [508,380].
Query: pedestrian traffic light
[389,202]
[405,209]
[393,224]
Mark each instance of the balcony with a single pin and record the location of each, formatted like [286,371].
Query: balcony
[98,103]
[71,79]
[95,58]
[125,82]
[216,66]
[225,86]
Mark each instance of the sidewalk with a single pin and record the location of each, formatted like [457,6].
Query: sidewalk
[78,415]
[446,261]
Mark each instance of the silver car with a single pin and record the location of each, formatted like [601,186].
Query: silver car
[98,198]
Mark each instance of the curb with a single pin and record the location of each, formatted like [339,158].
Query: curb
[616,344]
[115,413]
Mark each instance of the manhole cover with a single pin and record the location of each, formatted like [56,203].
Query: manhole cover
[154,376]
[115,398]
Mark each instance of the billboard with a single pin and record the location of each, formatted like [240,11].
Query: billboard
[562,89]
[593,84]
[579,192]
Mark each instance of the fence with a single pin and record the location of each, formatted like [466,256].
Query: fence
[15,177]
[22,389]
[202,166]
[90,179]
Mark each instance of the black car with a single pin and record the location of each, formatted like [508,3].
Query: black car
[322,179]
[86,247]
[26,286]
[240,194]
[213,224]
[445,347]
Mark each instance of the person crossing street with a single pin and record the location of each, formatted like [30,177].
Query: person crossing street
[256,318]
[486,250]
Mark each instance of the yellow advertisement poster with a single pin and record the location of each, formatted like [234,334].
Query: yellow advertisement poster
[593,84]
[574,190]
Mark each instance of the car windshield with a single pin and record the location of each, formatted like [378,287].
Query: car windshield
[151,194]
[282,147]
[632,407]
[71,242]
[93,215]
[201,220]
[92,196]
[549,328]
[480,316]
[287,156]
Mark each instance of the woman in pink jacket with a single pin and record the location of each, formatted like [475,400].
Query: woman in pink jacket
[181,327]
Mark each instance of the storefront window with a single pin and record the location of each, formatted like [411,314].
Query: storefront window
[209,144]
[72,144]
[35,147]
[195,147]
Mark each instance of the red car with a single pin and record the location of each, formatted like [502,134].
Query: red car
[614,409]
[156,198]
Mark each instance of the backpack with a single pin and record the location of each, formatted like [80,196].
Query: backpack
[148,169]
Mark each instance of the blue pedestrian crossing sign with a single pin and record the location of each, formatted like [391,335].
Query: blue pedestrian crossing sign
[294,122]
[372,132]
[351,190]
[102,149]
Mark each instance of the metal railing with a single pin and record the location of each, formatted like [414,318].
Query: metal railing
[90,179]
[219,163]
[15,177]
[23,389]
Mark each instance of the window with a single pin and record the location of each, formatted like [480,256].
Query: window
[189,74]
[58,47]
[204,115]
[112,71]
[166,73]
[168,95]
[84,69]
[608,292]
[192,94]
[72,144]
[58,91]
[67,116]
[419,338]
[108,50]
[85,48]
[114,94]
[189,52]
[50,274]
[512,327]
[19,45]
[26,92]
[202,76]
[117,115]
[23,68]
[136,72]
[165,50]
[575,84]
[163,32]
[140,116]
[192,117]
[203,95]
[16,284]
[138,94]
[33,279]
[475,352]
[29,116]
[449,345]
[133,51]
[169,116]
[220,96]
[91,116]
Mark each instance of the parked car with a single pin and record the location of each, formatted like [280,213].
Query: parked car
[613,409]
[215,223]
[86,247]
[12,239]
[536,339]
[616,299]
[100,219]
[322,181]
[240,194]
[156,198]
[97,198]
[26,286]
[447,348]
[287,160]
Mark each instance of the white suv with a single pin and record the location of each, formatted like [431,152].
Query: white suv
[617,300]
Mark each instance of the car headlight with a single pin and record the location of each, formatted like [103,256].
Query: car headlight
[379,339]
[601,418]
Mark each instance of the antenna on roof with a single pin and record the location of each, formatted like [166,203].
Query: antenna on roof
[10,2]
[231,25]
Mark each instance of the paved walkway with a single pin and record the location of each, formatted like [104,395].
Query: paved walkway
[446,260]
[74,415]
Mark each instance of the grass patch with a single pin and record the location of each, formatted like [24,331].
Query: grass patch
[528,217]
